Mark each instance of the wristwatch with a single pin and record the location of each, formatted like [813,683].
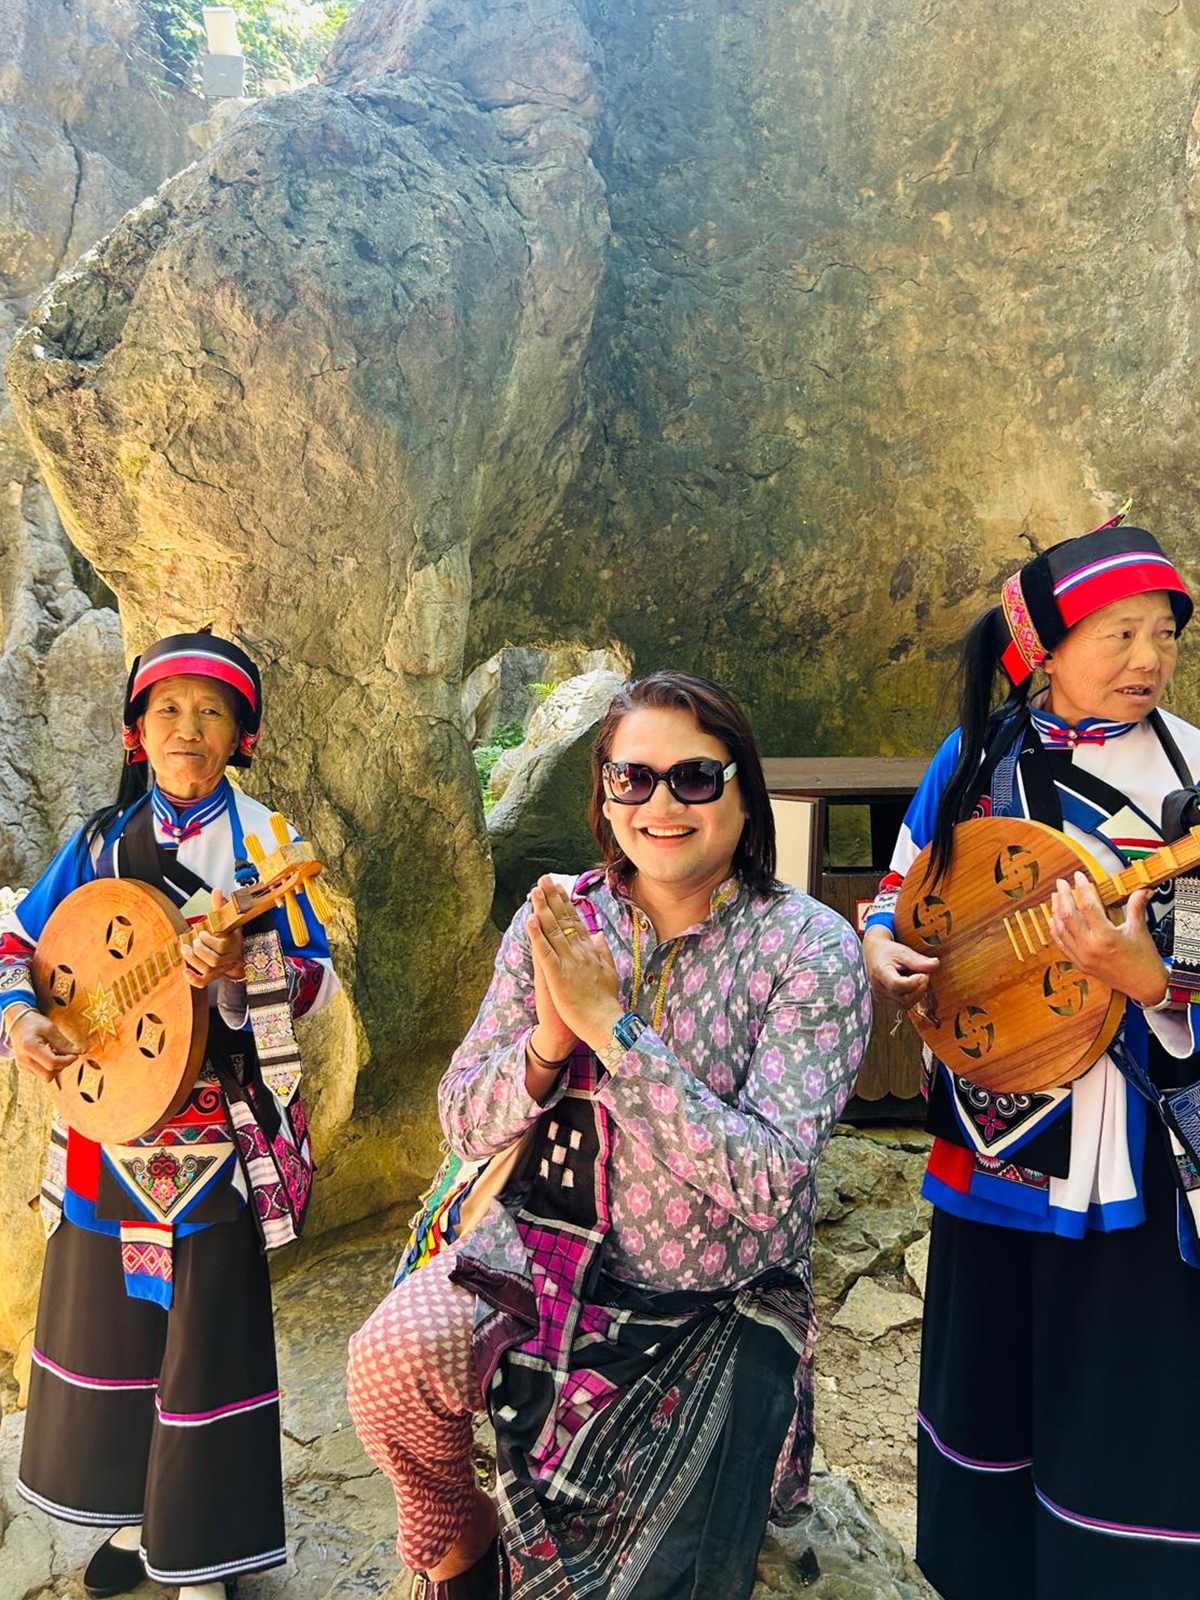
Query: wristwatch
[626,1033]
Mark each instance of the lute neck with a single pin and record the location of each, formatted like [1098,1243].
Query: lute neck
[1158,867]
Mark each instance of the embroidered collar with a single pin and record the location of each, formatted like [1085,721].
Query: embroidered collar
[178,823]
[1059,735]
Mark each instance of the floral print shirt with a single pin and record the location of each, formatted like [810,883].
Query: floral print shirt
[718,1115]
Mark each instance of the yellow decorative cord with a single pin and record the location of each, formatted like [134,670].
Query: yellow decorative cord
[660,998]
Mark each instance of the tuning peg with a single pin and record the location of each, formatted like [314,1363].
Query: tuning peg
[279,828]
[319,901]
[295,917]
[255,850]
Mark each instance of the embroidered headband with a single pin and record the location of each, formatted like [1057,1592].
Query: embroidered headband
[1066,583]
[196,655]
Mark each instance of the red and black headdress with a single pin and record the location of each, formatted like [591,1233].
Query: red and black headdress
[196,655]
[1066,583]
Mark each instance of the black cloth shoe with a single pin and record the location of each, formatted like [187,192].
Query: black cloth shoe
[112,1571]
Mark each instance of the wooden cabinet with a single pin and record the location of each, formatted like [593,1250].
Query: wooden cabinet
[836,823]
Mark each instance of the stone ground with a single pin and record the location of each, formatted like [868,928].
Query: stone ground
[869,1274]
[341,1511]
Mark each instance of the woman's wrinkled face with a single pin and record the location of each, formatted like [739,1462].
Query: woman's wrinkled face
[683,846]
[190,730]
[1115,663]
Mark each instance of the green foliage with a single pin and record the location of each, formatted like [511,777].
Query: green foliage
[280,38]
[506,737]
[541,692]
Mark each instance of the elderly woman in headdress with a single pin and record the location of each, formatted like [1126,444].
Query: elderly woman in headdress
[154,1402]
[1057,1409]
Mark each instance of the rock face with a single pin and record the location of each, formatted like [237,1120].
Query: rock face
[88,128]
[880,317]
[341,1513]
[296,393]
[540,824]
[869,1255]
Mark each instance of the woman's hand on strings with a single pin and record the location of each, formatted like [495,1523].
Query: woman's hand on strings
[1122,955]
[575,969]
[210,956]
[899,976]
[38,1047]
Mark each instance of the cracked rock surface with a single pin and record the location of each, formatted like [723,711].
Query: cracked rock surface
[341,1512]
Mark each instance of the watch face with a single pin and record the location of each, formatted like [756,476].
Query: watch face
[629,1029]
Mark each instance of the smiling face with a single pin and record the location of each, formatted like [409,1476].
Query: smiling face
[190,730]
[674,845]
[1115,663]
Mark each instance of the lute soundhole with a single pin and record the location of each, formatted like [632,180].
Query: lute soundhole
[932,920]
[1016,871]
[62,986]
[975,1032]
[90,1081]
[118,939]
[1065,988]
[151,1035]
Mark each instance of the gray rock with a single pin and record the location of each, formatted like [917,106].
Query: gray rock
[869,1209]
[870,1310]
[540,824]
[856,1558]
[498,692]
[916,1264]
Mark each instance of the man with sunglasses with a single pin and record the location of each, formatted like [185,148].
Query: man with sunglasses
[673,1037]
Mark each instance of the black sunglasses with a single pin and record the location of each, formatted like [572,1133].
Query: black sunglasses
[693,783]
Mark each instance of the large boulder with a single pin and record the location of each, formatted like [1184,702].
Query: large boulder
[540,822]
[891,301]
[293,394]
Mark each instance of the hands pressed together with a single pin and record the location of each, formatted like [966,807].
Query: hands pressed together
[575,982]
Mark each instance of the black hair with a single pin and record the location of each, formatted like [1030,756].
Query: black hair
[979,716]
[132,787]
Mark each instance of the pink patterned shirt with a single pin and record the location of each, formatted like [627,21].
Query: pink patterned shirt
[719,1116]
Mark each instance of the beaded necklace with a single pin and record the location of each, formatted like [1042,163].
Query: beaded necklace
[660,997]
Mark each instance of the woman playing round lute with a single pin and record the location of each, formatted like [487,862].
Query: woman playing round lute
[154,1402]
[1057,1412]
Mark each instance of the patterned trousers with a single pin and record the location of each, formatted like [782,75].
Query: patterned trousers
[412,1392]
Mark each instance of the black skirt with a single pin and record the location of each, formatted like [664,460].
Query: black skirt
[167,1418]
[1059,1410]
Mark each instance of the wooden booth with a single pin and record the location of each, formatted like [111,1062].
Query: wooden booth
[836,823]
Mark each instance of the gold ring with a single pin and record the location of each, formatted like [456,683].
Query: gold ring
[569,933]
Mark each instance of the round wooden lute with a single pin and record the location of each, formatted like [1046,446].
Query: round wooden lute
[109,971]
[1006,1009]
[140,1031]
